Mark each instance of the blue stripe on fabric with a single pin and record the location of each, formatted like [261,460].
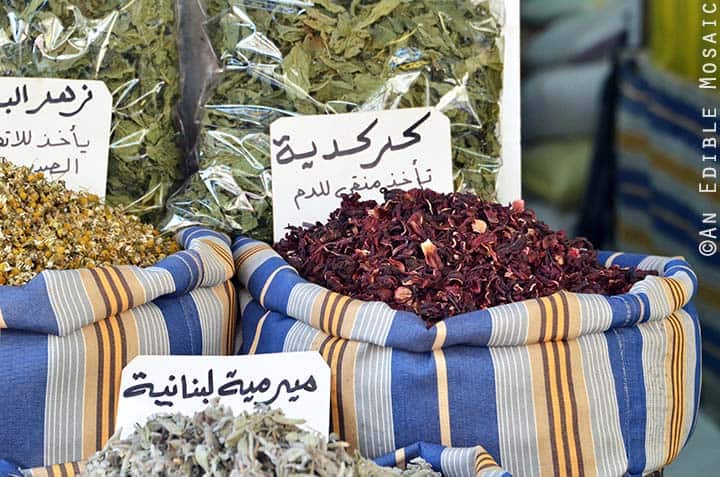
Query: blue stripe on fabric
[249,320]
[625,310]
[28,307]
[472,396]
[273,333]
[408,332]
[477,324]
[677,105]
[625,351]
[193,233]
[277,294]
[260,276]
[186,268]
[659,123]
[645,300]
[415,403]
[23,377]
[432,453]
[241,242]
[183,324]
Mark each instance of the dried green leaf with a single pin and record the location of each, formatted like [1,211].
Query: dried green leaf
[333,57]
[132,47]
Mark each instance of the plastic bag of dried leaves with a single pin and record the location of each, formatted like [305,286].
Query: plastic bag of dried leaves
[282,58]
[132,47]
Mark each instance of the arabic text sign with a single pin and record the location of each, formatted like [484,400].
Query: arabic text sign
[317,159]
[58,127]
[297,383]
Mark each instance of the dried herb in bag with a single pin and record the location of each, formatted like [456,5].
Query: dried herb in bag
[132,47]
[440,255]
[283,58]
[44,226]
[217,443]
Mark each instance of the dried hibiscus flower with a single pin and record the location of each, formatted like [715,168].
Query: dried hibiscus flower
[440,255]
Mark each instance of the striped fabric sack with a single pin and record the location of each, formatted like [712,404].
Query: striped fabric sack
[66,336]
[569,384]
[659,208]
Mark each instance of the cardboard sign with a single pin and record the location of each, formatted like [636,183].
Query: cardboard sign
[297,383]
[58,127]
[509,184]
[317,159]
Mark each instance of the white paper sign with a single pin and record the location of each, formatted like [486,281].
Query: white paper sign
[316,159]
[297,383]
[58,127]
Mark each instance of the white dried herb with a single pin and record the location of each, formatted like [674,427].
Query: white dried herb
[215,442]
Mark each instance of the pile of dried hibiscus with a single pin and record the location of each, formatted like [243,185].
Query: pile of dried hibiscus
[440,255]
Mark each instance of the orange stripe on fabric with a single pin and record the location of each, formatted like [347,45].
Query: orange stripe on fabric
[105,286]
[550,373]
[258,331]
[484,462]
[334,360]
[130,283]
[443,398]
[118,355]
[331,311]
[104,404]
[341,391]
[231,317]
[677,383]
[560,391]
[678,364]
[270,279]
[347,383]
[661,161]
[326,323]
[342,313]
[245,256]
[400,458]
[222,253]
[674,392]
[119,288]
[91,390]
[568,391]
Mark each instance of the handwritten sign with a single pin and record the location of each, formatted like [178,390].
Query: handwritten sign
[317,159]
[58,127]
[297,383]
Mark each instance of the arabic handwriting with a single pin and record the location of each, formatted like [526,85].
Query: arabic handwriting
[54,168]
[82,105]
[324,190]
[62,98]
[249,390]
[400,180]
[362,138]
[409,133]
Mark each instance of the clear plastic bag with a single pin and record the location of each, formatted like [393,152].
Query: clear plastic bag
[288,57]
[133,47]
